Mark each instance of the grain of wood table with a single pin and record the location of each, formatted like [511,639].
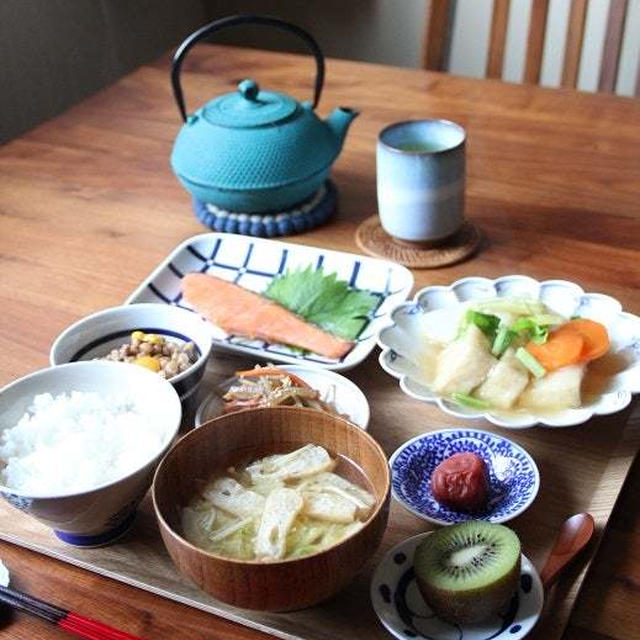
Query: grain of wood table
[88,207]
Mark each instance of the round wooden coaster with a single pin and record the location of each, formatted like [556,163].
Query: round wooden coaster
[374,240]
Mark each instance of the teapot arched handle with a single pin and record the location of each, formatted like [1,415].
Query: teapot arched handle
[232,21]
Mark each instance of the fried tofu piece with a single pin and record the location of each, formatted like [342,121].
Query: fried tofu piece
[559,389]
[329,507]
[280,510]
[337,485]
[230,496]
[507,379]
[298,464]
[464,363]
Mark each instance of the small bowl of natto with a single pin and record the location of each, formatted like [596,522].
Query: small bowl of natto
[173,342]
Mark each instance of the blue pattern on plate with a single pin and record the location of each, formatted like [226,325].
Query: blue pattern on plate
[408,615]
[211,263]
[513,475]
[100,539]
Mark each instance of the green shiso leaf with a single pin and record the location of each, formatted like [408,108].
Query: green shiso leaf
[323,300]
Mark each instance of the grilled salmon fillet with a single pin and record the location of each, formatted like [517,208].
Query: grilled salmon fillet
[241,312]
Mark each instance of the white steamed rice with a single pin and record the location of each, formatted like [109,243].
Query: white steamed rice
[75,442]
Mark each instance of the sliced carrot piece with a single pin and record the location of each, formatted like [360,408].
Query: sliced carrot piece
[596,338]
[272,371]
[563,347]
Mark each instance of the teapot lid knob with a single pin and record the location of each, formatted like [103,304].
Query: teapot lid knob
[249,89]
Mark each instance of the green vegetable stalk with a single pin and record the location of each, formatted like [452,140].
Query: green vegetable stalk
[530,362]
[469,401]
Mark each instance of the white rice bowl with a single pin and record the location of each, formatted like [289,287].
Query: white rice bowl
[83,456]
[76,441]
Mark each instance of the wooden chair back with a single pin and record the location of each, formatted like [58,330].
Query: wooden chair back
[442,14]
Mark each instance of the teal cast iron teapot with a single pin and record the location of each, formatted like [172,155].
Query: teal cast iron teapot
[255,151]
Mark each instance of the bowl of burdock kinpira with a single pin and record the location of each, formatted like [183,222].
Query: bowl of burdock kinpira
[252,504]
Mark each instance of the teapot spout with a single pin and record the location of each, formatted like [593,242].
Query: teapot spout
[339,121]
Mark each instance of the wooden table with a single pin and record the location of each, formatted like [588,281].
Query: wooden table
[88,206]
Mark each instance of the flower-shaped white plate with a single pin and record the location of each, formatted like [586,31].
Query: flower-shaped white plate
[404,613]
[436,311]
[253,262]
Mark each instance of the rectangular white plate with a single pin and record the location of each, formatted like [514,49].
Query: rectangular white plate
[253,263]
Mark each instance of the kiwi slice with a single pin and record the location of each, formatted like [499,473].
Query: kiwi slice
[468,572]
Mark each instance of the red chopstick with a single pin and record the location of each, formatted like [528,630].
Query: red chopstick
[92,629]
[68,620]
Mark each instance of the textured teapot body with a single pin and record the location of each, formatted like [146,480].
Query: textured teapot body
[230,158]
[255,151]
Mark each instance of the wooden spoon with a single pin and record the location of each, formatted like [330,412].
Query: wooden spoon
[573,536]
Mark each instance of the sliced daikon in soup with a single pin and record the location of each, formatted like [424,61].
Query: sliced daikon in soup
[559,389]
[507,379]
[464,363]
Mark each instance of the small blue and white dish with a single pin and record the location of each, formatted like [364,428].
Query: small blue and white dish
[514,479]
[94,336]
[404,613]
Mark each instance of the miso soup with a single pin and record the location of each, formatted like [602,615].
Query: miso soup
[279,507]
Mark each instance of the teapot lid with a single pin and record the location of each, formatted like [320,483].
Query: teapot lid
[249,107]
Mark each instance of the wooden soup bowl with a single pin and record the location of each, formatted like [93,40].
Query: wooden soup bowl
[237,439]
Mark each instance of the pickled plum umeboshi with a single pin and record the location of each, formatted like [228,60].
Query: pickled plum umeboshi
[460,482]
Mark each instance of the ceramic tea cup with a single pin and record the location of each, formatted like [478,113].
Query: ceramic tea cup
[421,180]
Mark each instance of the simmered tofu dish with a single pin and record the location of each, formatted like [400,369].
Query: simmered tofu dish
[282,506]
[515,353]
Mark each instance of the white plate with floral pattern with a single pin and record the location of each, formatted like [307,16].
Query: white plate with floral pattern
[438,308]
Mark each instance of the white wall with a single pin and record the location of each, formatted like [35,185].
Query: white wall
[385,31]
